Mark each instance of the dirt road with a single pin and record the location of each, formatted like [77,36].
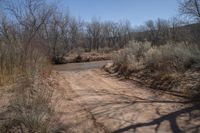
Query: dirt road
[92,101]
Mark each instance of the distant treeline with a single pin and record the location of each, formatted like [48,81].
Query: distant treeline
[164,31]
[29,24]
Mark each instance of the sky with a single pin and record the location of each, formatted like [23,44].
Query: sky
[136,11]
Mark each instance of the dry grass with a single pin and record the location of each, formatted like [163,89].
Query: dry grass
[15,63]
[31,108]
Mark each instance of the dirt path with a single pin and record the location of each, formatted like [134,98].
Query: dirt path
[91,101]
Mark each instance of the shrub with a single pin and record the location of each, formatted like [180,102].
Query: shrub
[138,49]
[166,58]
[172,58]
[132,57]
[120,57]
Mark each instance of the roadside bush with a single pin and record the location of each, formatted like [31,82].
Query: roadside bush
[132,57]
[120,57]
[172,58]
[165,58]
[138,50]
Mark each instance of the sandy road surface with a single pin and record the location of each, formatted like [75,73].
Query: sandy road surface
[92,101]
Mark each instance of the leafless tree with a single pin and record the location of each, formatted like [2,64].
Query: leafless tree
[158,31]
[20,25]
[178,31]
[76,33]
[139,34]
[151,29]
[57,36]
[94,33]
[124,33]
[190,8]
[29,16]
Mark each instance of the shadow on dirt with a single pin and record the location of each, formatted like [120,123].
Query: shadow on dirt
[171,118]
[125,104]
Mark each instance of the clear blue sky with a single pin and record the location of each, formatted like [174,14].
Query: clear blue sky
[137,11]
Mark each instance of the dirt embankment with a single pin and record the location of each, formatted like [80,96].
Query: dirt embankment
[183,83]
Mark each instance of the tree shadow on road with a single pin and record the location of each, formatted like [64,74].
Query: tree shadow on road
[122,103]
[171,118]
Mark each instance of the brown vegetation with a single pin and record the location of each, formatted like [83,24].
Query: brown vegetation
[24,65]
[165,54]
[33,34]
[30,107]
[74,57]
[167,67]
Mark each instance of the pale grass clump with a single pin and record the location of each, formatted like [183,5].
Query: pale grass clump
[120,57]
[31,107]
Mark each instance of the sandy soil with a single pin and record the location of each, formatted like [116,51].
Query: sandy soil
[92,101]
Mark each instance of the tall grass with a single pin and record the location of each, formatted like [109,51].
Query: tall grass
[30,107]
[14,62]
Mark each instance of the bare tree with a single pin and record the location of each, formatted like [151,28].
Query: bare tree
[190,8]
[76,33]
[139,34]
[158,31]
[151,29]
[124,33]
[57,36]
[94,32]
[29,16]
[20,26]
